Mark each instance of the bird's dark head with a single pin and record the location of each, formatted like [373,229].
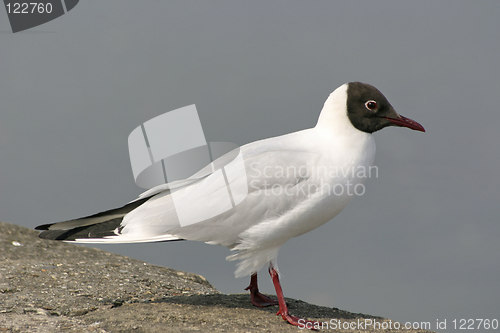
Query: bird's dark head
[369,110]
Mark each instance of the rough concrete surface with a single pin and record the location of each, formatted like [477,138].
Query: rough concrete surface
[50,286]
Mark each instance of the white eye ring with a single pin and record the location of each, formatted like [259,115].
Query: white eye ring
[371,105]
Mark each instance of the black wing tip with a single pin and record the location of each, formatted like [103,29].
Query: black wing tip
[43,226]
[98,230]
[75,223]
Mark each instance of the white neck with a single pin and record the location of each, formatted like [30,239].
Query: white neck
[349,146]
[333,116]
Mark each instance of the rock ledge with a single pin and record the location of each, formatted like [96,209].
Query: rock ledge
[49,286]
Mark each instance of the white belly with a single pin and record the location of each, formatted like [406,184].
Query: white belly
[328,193]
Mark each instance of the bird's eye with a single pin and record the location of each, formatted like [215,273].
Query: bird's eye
[371,105]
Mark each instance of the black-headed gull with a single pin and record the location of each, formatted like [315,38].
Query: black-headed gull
[256,198]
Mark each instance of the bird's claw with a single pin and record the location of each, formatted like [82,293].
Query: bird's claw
[296,321]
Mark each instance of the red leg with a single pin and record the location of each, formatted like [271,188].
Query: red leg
[258,299]
[283,311]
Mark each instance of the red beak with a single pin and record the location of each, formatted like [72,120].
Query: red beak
[406,122]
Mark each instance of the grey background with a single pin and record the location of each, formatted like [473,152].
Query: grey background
[421,244]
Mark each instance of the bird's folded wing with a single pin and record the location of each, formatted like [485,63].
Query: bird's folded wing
[256,185]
